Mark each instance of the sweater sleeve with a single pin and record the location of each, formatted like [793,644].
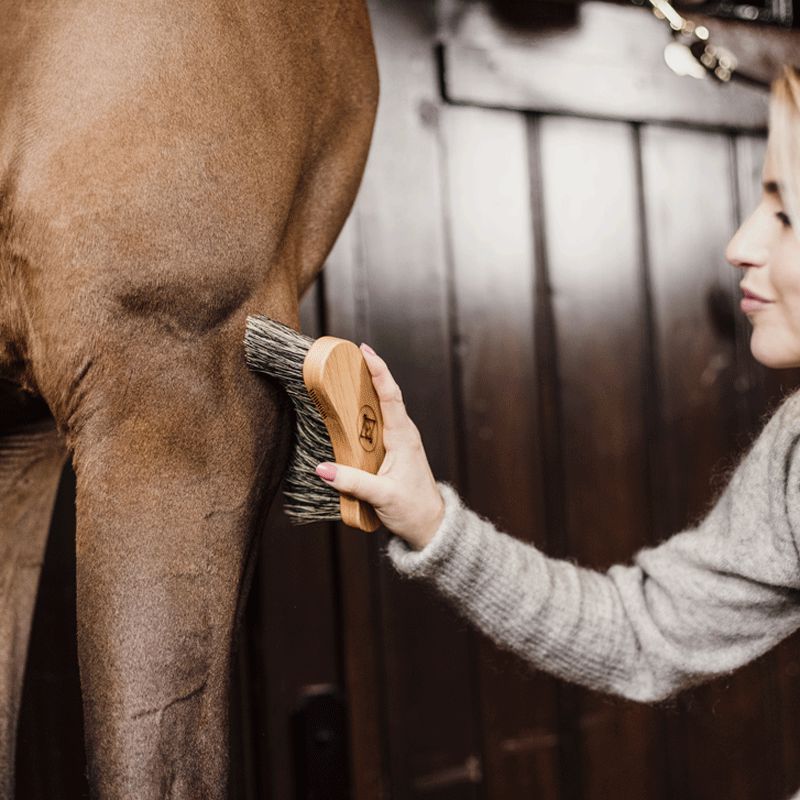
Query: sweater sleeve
[704,602]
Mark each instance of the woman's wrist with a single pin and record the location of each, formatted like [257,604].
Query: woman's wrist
[428,531]
[416,558]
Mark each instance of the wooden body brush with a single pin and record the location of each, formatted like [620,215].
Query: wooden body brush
[338,417]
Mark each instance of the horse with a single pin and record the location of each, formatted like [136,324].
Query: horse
[166,169]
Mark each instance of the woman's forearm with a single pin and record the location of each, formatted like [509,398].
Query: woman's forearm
[674,617]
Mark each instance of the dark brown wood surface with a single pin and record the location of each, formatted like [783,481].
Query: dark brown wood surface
[344,315]
[492,245]
[593,252]
[427,705]
[695,439]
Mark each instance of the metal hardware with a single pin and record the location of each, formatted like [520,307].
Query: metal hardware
[692,53]
[320,744]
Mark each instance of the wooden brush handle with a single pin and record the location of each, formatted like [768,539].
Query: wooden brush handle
[340,384]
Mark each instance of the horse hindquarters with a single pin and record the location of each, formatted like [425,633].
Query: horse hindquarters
[31,461]
[202,174]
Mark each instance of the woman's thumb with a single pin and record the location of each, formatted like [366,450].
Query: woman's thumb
[359,483]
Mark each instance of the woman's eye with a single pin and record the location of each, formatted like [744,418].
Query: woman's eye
[785,221]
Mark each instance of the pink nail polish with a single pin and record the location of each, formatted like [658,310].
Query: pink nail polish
[326,471]
[368,348]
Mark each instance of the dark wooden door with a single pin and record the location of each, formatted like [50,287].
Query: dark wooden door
[539,257]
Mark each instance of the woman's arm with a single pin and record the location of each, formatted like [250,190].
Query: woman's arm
[701,604]
[681,614]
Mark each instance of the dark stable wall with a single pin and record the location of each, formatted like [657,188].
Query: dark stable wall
[549,290]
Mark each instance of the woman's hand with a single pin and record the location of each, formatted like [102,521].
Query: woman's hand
[404,492]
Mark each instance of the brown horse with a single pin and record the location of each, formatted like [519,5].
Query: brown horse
[166,168]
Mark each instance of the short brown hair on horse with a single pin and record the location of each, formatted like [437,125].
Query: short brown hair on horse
[166,169]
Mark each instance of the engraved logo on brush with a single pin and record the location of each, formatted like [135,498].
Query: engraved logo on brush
[368,428]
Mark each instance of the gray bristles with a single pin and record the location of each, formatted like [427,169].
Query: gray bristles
[279,351]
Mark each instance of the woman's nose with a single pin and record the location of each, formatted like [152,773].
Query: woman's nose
[747,248]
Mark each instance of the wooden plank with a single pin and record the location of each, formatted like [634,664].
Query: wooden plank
[493,281]
[609,62]
[785,663]
[345,304]
[719,746]
[589,176]
[426,708]
[763,389]
[548,393]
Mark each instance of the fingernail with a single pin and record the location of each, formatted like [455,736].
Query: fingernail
[368,348]
[326,471]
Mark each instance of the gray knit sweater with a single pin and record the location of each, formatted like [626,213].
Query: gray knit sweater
[701,604]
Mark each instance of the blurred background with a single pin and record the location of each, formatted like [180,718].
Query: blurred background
[537,252]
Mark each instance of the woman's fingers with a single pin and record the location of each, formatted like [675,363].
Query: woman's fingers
[404,492]
[356,482]
[389,394]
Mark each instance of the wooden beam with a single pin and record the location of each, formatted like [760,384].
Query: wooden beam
[607,62]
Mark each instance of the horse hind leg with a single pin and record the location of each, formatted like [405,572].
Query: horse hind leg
[173,475]
[31,461]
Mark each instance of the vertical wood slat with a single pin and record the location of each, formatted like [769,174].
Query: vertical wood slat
[593,253]
[758,389]
[489,223]
[430,704]
[765,388]
[717,746]
[785,665]
[420,656]
[345,303]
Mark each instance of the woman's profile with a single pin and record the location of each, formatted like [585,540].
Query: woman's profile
[704,602]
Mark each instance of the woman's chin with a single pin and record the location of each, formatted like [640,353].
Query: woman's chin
[771,355]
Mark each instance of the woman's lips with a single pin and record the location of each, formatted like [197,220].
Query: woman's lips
[752,301]
[749,305]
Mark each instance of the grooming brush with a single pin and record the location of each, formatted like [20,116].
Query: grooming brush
[338,417]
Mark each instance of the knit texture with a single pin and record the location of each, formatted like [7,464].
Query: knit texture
[704,602]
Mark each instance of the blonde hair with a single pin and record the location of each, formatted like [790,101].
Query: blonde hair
[784,139]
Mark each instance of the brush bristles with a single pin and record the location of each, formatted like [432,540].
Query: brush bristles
[279,351]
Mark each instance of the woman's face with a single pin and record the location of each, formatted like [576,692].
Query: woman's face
[767,250]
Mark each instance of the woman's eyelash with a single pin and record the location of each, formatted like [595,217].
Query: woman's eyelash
[783,218]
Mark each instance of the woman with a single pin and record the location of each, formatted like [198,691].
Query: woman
[704,602]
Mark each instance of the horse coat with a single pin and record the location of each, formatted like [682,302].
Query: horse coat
[165,170]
